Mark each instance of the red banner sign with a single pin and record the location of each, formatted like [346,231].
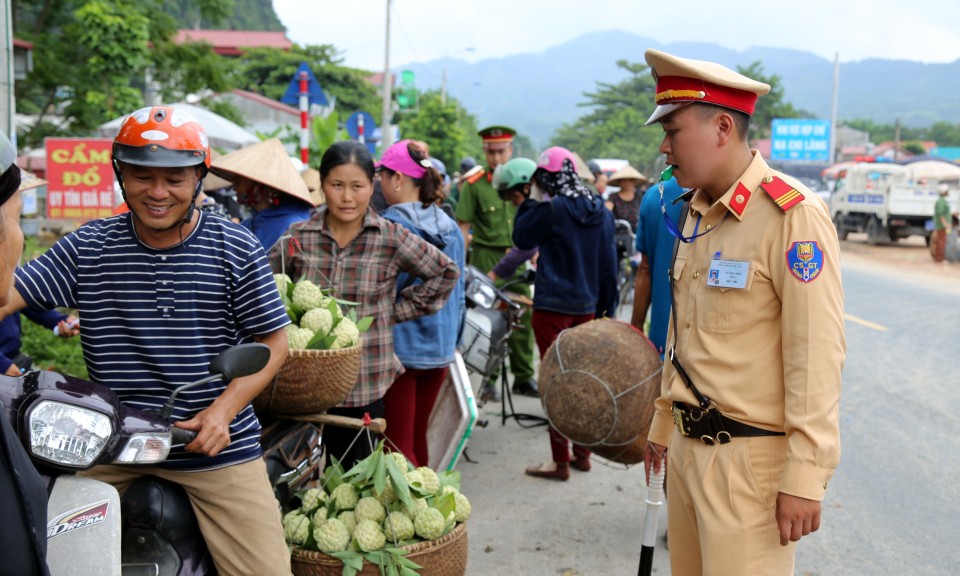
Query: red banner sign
[80,178]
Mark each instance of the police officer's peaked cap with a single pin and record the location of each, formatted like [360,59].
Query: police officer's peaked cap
[682,81]
[496,137]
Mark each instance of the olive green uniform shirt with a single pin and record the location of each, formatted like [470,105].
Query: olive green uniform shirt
[490,217]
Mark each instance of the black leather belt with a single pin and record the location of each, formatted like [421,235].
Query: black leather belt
[712,427]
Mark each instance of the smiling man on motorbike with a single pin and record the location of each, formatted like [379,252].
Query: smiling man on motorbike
[161,290]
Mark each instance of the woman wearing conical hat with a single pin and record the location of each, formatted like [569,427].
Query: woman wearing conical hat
[625,203]
[268,183]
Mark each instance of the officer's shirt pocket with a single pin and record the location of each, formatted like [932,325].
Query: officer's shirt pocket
[725,310]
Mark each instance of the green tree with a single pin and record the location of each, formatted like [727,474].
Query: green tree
[447,128]
[268,71]
[92,58]
[614,127]
[771,105]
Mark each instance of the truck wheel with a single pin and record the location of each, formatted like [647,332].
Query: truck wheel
[842,232]
[874,231]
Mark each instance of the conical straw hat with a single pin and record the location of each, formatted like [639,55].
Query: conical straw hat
[312,177]
[266,162]
[212,181]
[628,172]
[583,171]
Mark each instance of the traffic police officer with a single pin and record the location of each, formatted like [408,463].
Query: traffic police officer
[749,403]
[487,224]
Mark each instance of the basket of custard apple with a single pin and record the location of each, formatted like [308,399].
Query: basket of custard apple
[323,363]
[383,516]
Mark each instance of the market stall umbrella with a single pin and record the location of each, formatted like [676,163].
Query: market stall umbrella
[223,133]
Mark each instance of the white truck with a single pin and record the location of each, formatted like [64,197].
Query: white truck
[891,201]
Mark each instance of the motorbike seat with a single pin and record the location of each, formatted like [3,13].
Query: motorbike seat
[160,505]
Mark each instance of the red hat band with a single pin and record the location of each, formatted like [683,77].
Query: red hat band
[673,89]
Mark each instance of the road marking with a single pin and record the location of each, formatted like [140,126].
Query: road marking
[866,323]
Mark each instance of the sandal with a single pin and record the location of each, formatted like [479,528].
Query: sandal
[559,471]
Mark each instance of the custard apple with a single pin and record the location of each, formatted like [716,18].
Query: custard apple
[331,536]
[429,524]
[463,507]
[296,528]
[299,338]
[431,482]
[319,517]
[369,536]
[283,282]
[319,320]
[388,496]
[311,499]
[369,508]
[401,460]
[307,295]
[344,497]
[418,505]
[349,520]
[398,527]
[347,334]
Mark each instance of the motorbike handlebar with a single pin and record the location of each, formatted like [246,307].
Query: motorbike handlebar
[181,436]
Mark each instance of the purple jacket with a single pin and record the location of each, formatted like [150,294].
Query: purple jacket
[508,265]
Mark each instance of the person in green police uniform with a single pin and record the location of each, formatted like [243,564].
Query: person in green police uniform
[487,224]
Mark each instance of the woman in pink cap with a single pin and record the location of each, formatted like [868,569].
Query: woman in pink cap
[576,272]
[412,186]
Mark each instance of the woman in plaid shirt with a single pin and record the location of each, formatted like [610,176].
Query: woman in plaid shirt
[348,248]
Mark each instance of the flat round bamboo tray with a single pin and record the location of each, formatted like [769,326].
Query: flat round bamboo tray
[311,381]
[445,556]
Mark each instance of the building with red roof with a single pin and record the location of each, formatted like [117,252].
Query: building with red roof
[233,42]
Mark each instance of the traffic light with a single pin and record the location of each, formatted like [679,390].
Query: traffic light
[408,97]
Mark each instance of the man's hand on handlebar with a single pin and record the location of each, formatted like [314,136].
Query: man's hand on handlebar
[213,431]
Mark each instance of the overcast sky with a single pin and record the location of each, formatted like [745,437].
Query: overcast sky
[422,30]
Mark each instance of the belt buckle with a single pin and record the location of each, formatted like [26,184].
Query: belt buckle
[678,420]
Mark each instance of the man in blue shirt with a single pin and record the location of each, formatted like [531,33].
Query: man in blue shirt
[162,290]
[655,244]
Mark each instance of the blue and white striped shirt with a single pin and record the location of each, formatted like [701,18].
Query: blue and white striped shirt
[154,319]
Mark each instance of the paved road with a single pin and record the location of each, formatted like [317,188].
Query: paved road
[892,509]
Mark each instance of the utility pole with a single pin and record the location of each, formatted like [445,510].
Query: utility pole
[896,141]
[386,133]
[7,101]
[833,112]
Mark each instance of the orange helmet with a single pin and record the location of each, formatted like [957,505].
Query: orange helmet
[161,136]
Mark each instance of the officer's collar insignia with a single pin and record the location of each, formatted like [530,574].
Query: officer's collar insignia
[785,195]
[739,200]
[805,260]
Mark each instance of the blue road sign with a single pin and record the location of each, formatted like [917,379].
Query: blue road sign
[315,93]
[353,125]
[800,139]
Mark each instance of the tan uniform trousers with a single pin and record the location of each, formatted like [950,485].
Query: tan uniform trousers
[235,507]
[722,511]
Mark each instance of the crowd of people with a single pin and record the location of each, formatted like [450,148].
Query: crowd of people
[757,344]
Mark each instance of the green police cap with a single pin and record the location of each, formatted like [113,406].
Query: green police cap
[496,137]
[514,173]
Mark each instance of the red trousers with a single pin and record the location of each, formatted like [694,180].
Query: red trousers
[408,404]
[546,327]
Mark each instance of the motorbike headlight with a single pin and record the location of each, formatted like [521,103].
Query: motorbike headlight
[145,448]
[482,294]
[68,435]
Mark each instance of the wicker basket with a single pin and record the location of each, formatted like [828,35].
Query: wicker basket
[445,556]
[311,381]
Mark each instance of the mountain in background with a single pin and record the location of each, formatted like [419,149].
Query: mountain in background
[537,93]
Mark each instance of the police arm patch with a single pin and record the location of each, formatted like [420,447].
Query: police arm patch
[805,260]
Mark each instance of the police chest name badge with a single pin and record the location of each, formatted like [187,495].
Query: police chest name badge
[805,260]
[728,273]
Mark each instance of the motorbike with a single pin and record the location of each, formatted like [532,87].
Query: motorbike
[492,315]
[68,425]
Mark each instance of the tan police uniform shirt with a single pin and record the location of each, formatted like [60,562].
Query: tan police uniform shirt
[769,354]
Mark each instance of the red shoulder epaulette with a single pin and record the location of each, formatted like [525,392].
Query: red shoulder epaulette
[473,174]
[785,195]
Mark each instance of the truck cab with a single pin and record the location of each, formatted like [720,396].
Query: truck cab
[891,201]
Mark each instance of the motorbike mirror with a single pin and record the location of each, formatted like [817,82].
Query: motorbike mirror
[241,360]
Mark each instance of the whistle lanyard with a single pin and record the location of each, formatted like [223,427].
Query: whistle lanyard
[701,399]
